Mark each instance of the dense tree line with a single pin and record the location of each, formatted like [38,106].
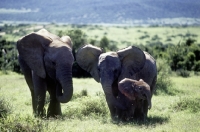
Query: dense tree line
[8,56]
[184,56]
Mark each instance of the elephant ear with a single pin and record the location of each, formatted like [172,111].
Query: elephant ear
[87,58]
[44,32]
[132,59]
[67,40]
[31,50]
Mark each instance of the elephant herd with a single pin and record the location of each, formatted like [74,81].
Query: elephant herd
[128,76]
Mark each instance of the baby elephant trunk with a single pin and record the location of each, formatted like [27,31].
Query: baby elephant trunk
[147,93]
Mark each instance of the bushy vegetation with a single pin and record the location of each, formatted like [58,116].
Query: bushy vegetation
[8,56]
[190,104]
[182,57]
[164,84]
[88,111]
[82,106]
[5,108]
[23,124]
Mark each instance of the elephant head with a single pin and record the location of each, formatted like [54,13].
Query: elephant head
[135,90]
[48,55]
[108,68]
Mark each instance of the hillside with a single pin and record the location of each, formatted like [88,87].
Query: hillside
[98,11]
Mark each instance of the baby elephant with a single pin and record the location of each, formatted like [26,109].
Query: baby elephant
[135,90]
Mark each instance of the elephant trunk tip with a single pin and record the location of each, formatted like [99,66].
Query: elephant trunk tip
[64,99]
[65,96]
[149,106]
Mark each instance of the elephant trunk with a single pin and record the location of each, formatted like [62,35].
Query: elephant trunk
[111,99]
[64,89]
[148,95]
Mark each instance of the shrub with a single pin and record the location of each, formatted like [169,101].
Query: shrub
[197,66]
[104,43]
[24,124]
[183,73]
[164,83]
[80,95]
[5,108]
[191,104]
[94,106]
[86,106]
[8,56]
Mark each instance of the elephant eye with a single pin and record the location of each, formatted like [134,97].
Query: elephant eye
[53,63]
[140,88]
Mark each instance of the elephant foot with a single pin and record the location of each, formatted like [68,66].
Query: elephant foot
[54,110]
[53,114]
[140,118]
[40,113]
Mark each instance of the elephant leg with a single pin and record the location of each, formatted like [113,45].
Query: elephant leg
[138,115]
[28,77]
[54,108]
[39,94]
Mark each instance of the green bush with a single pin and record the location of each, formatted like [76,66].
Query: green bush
[80,95]
[5,108]
[190,104]
[184,56]
[87,106]
[197,66]
[95,106]
[8,56]
[24,124]
[183,73]
[164,83]
[104,43]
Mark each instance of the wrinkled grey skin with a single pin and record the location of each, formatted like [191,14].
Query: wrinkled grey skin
[111,67]
[135,91]
[46,61]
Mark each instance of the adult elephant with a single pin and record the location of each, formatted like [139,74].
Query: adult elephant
[46,61]
[111,67]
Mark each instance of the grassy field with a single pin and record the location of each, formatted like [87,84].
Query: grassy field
[118,35]
[87,111]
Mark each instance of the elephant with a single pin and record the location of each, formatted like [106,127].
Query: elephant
[111,67]
[46,61]
[135,91]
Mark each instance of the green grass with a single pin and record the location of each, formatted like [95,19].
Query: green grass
[125,36]
[120,36]
[87,111]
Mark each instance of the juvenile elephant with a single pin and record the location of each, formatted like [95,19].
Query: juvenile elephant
[46,61]
[136,92]
[111,67]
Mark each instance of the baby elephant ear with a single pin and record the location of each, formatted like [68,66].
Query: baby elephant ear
[31,50]
[87,58]
[132,59]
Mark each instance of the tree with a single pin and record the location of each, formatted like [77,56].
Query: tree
[104,43]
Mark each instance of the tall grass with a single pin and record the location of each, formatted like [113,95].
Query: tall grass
[88,111]
[5,108]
